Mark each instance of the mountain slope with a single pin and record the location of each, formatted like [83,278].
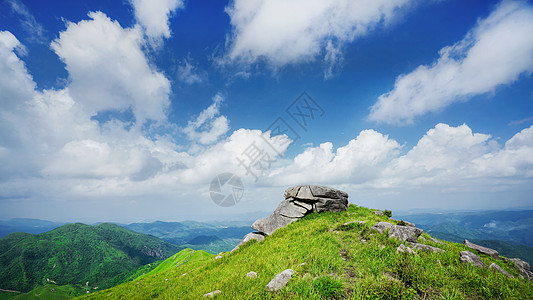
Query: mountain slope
[331,259]
[178,259]
[102,255]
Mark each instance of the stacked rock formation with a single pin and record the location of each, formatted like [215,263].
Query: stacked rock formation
[299,201]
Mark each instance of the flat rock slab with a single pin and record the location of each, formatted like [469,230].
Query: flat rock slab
[313,192]
[405,233]
[289,209]
[269,224]
[483,250]
[470,258]
[499,269]
[381,227]
[404,249]
[280,280]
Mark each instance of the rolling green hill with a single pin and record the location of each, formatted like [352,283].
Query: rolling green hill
[332,259]
[93,256]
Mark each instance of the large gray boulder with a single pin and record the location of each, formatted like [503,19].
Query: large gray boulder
[523,267]
[483,250]
[321,198]
[280,280]
[405,233]
[468,257]
[300,201]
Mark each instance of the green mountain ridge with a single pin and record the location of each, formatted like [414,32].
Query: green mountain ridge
[333,257]
[97,256]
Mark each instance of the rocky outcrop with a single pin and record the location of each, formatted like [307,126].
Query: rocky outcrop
[405,233]
[299,201]
[470,258]
[494,266]
[280,280]
[483,250]
[523,267]
[381,227]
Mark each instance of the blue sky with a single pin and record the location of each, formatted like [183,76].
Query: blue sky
[126,110]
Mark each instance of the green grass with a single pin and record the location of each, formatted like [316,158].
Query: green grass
[52,292]
[177,260]
[330,261]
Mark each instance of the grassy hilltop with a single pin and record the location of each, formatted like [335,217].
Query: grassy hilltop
[331,260]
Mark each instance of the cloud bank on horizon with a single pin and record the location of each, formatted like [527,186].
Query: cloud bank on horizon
[72,144]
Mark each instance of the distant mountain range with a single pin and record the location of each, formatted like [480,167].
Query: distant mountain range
[95,256]
[196,235]
[34,226]
[509,232]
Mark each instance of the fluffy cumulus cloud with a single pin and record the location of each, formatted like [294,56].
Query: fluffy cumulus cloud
[284,32]
[496,52]
[109,71]
[208,125]
[360,160]
[444,157]
[15,82]
[153,16]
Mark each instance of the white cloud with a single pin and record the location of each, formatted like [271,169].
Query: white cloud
[496,52]
[153,16]
[15,82]
[285,32]
[190,73]
[208,125]
[28,21]
[359,161]
[444,158]
[109,71]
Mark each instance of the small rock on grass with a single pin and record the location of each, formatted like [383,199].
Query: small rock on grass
[212,294]
[280,280]
[499,269]
[468,257]
[251,274]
